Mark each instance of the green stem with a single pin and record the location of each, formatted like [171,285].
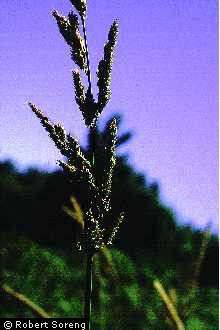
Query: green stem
[89,256]
[88,289]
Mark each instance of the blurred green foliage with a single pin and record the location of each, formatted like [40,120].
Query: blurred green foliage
[126,301]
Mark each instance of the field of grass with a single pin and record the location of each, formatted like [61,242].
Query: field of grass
[123,297]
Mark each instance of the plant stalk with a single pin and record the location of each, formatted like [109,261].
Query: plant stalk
[23,300]
[89,261]
[88,289]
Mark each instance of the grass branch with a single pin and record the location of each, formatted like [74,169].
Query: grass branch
[169,304]
[88,288]
[23,300]
[199,261]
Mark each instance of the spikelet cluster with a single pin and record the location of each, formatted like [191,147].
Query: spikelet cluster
[81,7]
[110,161]
[69,28]
[100,201]
[105,68]
[77,166]
[85,100]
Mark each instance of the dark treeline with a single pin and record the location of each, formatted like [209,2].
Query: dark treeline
[32,206]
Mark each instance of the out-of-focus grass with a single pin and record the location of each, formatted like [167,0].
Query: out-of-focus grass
[124,297]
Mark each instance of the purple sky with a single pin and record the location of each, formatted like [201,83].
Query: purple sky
[164,83]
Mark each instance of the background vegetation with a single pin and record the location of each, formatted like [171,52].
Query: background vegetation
[39,257]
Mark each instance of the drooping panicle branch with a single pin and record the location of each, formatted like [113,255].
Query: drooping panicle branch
[56,132]
[69,148]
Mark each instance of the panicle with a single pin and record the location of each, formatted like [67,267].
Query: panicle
[77,166]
